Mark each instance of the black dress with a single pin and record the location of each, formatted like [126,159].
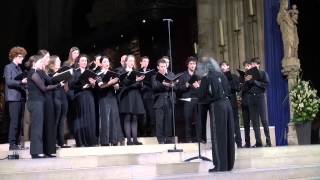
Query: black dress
[130,98]
[131,105]
[37,100]
[50,132]
[109,121]
[84,118]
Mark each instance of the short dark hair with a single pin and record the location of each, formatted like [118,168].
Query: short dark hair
[191,59]
[144,57]
[255,60]
[224,62]
[102,57]
[246,62]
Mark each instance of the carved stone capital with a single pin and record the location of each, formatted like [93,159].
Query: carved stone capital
[291,67]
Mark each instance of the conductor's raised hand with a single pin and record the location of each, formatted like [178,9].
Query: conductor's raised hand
[196,84]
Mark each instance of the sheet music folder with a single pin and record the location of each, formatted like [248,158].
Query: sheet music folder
[21,76]
[62,76]
[168,78]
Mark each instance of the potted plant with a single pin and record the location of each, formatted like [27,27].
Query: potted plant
[305,105]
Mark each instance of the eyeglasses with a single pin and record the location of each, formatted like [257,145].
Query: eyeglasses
[20,56]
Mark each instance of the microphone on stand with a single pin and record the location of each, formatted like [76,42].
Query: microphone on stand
[169,20]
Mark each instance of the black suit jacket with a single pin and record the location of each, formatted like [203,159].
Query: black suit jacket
[162,94]
[14,89]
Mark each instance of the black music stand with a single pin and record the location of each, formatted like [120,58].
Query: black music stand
[198,115]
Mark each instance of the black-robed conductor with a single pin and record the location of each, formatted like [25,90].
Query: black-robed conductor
[215,89]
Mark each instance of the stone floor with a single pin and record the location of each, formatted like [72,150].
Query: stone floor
[152,161]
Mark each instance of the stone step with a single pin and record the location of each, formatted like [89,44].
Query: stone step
[124,160]
[310,172]
[153,140]
[279,151]
[112,150]
[108,150]
[72,142]
[190,170]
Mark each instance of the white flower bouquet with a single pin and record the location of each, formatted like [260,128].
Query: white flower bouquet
[305,102]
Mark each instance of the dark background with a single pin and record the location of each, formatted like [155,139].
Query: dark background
[57,25]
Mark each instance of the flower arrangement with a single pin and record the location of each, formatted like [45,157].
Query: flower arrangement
[305,102]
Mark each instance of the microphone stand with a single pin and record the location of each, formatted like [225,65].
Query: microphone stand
[172,100]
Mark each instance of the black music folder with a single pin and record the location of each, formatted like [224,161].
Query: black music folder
[241,73]
[193,79]
[109,75]
[168,78]
[21,76]
[254,72]
[148,73]
[63,68]
[62,76]
[86,75]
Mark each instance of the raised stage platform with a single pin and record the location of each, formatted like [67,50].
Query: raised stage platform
[152,161]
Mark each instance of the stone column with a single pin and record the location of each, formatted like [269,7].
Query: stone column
[291,69]
[205,25]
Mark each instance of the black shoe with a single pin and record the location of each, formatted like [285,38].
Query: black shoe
[239,146]
[268,145]
[51,156]
[129,143]
[257,146]
[65,146]
[137,143]
[14,147]
[37,156]
[105,144]
[247,146]
[212,170]
[161,142]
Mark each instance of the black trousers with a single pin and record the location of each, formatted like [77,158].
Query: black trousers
[237,132]
[258,111]
[148,123]
[61,109]
[203,110]
[36,109]
[246,123]
[49,130]
[163,122]
[222,135]
[16,111]
[189,111]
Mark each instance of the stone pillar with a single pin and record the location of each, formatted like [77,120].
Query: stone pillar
[254,29]
[205,25]
[291,68]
